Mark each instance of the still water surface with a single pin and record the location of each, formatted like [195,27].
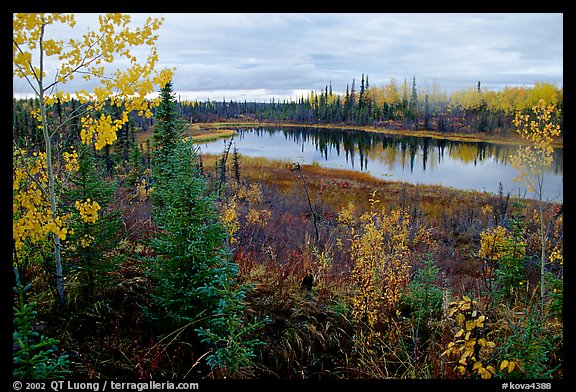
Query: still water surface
[477,166]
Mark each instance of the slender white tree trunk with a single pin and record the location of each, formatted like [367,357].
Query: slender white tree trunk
[542,239]
[50,172]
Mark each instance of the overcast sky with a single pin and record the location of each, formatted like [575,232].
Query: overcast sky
[255,57]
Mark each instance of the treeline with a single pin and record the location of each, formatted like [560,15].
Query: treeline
[392,105]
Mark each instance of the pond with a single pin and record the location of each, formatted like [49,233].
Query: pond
[479,166]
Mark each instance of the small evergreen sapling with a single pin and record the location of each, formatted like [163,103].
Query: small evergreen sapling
[34,356]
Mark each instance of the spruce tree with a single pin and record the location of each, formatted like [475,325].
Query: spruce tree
[187,241]
[196,286]
[34,355]
[95,226]
[197,290]
[137,164]
[414,98]
[168,126]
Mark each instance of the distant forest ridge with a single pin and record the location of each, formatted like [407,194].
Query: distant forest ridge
[392,106]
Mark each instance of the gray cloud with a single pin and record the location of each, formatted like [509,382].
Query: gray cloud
[280,54]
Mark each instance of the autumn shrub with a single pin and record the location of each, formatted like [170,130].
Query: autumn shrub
[553,244]
[471,347]
[504,252]
[229,216]
[539,126]
[380,266]
[382,252]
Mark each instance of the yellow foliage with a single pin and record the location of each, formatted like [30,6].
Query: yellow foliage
[510,366]
[88,210]
[382,249]
[102,130]
[86,240]
[257,217]
[87,55]
[230,218]
[557,256]
[539,129]
[470,347]
[493,244]
[323,262]
[253,194]
[71,160]
[487,210]
[32,217]
[347,214]
[381,263]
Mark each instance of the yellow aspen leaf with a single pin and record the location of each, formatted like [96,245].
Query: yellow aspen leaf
[459,333]
[460,318]
[511,366]
[477,365]
[480,321]
[470,325]
[461,369]
[504,364]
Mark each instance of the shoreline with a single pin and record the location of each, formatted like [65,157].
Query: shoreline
[462,137]
[352,185]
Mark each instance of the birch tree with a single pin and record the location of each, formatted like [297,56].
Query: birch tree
[108,60]
[539,128]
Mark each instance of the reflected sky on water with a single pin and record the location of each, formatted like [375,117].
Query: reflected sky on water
[479,166]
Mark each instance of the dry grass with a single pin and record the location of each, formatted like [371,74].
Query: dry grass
[336,187]
[200,134]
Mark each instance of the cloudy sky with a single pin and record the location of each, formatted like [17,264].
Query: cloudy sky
[259,56]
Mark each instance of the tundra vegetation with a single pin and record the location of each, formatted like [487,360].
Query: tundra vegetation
[136,257]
